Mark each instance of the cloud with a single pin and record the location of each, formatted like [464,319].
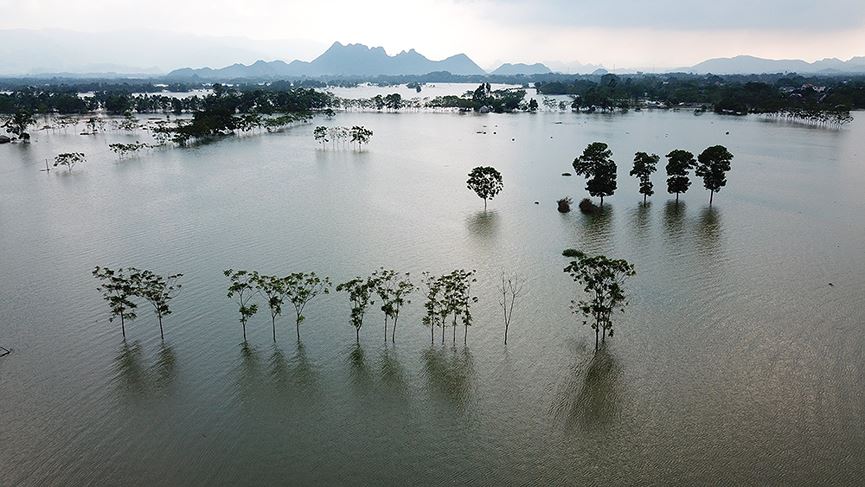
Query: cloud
[682,15]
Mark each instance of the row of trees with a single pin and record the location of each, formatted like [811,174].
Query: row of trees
[357,135]
[448,297]
[599,169]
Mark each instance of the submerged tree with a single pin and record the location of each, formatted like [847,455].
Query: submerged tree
[242,288]
[511,288]
[713,164]
[679,162]
[320,135]
[459,294]
[300,289]
[596,165]
[393,289]
[435,305]
[158,291]
[117,289]
[69,159]
[360,295]
[360,135]
[602,279]
[486,182]
[644,166]
[272,288]
[18,123]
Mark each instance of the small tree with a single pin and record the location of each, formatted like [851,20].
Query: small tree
[713,164]
[596,165]
[511,288]
[69,159]
[158,291]
[461,286]
[644,166]
[602,279]
[486,182]
[242,288]
[392,288]
[360,135]
[320,134]
[360,294]
[272,288]
[435,305]
[117,289]
[300,289]
[679,162]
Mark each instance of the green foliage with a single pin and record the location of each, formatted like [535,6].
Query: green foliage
[301,288]
[242,288]
[713,164]
[272,288]
[596,165]
[449,295]
[117,289]
[69,159]
[360,135]
[602,280]
[644,166]
[121,285]
[320,135]
[122,150]
[393,289]
[679,162]
[486,182]
[482,98]
[393,101]
[360,292]
[17,124]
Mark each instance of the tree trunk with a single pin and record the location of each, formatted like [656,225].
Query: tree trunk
[244,330]
[466,335]
[596,340]
[485,204]
[357,335]
[432,336]
[385,328]
[602,201]
[455,330]
[273,326]
[506,334]
[677,199]
[443,332]
[297,327]
[161,332]
[711,194]
[644,199]
[393,330]
[122,327]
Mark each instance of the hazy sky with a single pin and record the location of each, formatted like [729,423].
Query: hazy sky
[624,33]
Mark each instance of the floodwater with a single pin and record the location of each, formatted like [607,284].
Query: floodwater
[739,359]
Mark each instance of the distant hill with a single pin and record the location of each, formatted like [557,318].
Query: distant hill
[340,60]
[756,65]
[509,69]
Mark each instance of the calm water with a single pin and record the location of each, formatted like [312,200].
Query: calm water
[736,361]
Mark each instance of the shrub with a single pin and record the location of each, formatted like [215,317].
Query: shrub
[586,206]
[565,204]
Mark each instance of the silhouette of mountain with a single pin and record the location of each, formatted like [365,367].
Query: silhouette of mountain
[756,65]
[341,60]
[509,69]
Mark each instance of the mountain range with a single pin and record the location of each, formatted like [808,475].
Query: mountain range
[755,65]
[340,60]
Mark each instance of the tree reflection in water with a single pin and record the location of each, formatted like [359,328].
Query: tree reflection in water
[592,397]
[450,374]
[134,377]
[483,224]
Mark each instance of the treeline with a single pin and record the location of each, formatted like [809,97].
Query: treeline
[448,298]
[792,95]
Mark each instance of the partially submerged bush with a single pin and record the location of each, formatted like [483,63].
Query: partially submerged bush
[565,204]
[571,253]
[586,206]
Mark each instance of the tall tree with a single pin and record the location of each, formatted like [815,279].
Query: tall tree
[393,289]
[435,304]
[603,281]
[242,288]
[360,292]
[158,291]
[713,164]
[511,288]
[300,289]
[117,289]
[272,288]
[644,166]
[597,166]
[679,162]
[69,159]
[486,182]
